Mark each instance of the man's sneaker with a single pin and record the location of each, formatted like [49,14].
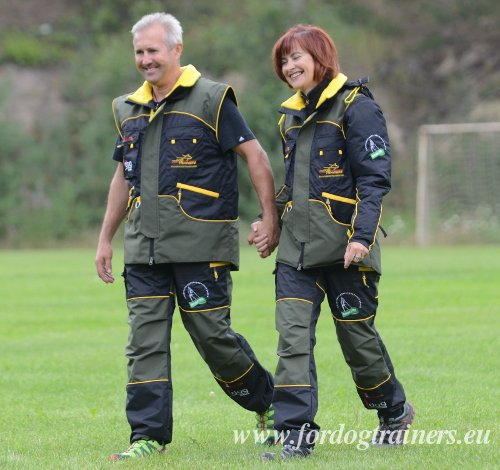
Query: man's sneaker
[265,427]
[391,431]
[140,448]
[288,452]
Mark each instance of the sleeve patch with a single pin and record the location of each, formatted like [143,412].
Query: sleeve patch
[376,146]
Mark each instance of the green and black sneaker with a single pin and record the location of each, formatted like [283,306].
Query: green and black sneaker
[266,434]
[140,448]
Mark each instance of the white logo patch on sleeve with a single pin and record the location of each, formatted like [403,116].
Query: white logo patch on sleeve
[376,146]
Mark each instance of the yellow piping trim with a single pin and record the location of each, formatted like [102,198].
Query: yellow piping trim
[134,117]
[280,125]
[352,321]
[194,218]
[376,386]
[118,128]
[292,385]
[204,310]
[294,298]
[354,219]
[292,127]
[237,378]
[150,297]
[216,265]
[280,191]
[350,97]
[196,189]
[148,381]
[191,115]
[333,124]
[329,213]
[321,288]
[155,112]
[339,198]
[218,111]
[329,122]
[365,268]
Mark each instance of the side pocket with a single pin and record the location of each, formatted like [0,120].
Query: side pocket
[341,208]
[200,203]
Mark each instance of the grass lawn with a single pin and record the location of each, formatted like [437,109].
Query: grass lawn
[62,365]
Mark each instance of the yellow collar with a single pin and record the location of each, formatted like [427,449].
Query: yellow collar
[297,101]
[188,78]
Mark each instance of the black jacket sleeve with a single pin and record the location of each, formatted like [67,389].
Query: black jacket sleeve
[369,153]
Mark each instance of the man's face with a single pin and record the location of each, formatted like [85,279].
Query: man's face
[158,64]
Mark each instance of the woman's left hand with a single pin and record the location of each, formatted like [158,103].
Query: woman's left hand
[354,252]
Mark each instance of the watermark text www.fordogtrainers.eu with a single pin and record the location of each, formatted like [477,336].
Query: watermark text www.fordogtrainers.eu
[362,439]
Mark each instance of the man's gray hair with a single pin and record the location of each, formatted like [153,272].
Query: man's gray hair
[173,29]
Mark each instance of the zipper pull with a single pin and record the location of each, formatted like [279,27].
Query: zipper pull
[151,261]
[299,267]
[329,206]
[179,195]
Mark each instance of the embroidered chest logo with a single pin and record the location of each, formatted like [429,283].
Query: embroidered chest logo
[331,171]
[348,304]
[196,293]
[184,161]
[376,146]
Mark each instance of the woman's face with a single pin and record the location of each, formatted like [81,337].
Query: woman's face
[298,69]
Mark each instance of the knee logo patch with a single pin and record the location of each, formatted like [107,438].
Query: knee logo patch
[196,293]
[348,304]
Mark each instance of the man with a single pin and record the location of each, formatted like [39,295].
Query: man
[176,185]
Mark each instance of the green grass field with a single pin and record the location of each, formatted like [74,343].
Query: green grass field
[62,368]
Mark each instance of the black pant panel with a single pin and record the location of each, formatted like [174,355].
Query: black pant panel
[149,411]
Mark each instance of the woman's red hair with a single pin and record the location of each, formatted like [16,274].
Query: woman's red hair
[313,40]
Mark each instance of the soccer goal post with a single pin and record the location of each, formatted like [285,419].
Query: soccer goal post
[458,183]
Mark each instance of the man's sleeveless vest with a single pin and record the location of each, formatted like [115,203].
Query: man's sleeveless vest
[318,202]
[184,195]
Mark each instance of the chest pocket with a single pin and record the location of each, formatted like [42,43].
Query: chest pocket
[328,161]
[183,148]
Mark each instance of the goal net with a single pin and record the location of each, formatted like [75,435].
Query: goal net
[458,183]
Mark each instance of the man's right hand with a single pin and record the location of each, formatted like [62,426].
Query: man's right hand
[103,262]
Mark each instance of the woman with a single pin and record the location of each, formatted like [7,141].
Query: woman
[337,170]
